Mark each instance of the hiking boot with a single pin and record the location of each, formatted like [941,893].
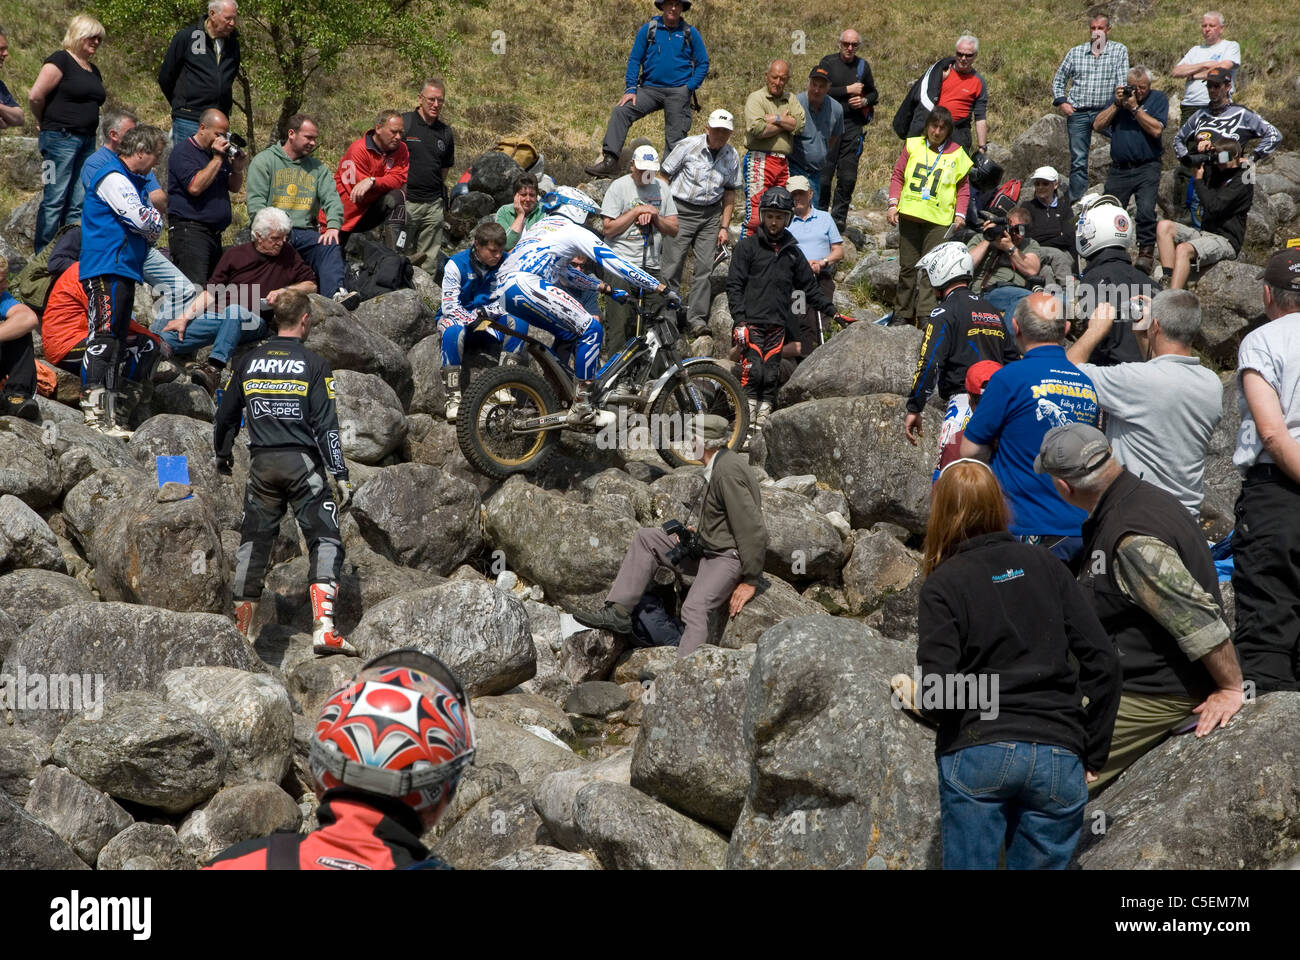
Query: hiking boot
[416,259]
[610,617]
[606,166]
[696,328]
[206,376]
[1146,259]
[18,405]
[349,299]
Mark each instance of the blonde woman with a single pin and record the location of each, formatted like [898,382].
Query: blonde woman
[65,100]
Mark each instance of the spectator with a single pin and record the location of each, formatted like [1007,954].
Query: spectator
[1161,414]
[1134,122]
[11,114]
[765,272]
[201,176]
[289,177]
[927,190]
[1093,70]
[65,102]
[704,174]
[1266,579]
[199,69]
[1025,748]
[820,242]
[371,175]
[1225,193]
[1214,54]
[773,119]
[1021,403]
[119,226]
[1051,226]
[667,64]
[114,123]
[17,354]
[953,84]
[854,89]
[1102,239]
[517,217]
[1153,585]
[432,147]
[637,213]
[820,137]
[1223,119]
[963,332]
[733,541]
[1006,259]
[243,290]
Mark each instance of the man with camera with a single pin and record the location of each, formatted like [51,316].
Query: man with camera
[1221,118]
[724,550]
[202,172]
[1134,122]
[1005,258]
[1225,196]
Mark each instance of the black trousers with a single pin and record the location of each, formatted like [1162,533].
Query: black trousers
[1266,580]
[195,248]
[18,366]
[760,361]
[844,169]
[276,479]
[1144,183]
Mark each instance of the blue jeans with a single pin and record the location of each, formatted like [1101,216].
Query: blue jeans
[1029,796]
[1078,127]
[182,129]
[225,330]
[1005,298]
[326,259]
[161,275]
[64,155]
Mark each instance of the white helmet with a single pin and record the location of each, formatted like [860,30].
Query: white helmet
[1101,225]
[946,263]
[571,203]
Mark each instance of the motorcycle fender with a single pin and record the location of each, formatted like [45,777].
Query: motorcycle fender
[671,372]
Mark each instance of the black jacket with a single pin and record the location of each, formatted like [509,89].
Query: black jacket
[1011,612]
[1111,277]
[763,278]
[1051,226]
[961,331]
[1225,201]
[841,75]
[192,80]
[289,395]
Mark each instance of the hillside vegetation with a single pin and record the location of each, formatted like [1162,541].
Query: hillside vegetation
[551,71]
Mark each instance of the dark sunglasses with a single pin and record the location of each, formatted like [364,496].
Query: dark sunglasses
[844,44]
[965,56]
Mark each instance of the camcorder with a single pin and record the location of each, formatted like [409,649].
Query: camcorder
[688,547]
[235,146]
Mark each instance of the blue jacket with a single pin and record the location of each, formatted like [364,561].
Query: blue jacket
[109,245]
[465,287]
[676,58]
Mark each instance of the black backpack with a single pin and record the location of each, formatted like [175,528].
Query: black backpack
[381,271]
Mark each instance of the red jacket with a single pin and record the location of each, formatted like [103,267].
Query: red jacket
[354,835]
[364,159]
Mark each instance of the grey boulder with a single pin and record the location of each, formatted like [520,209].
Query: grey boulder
[401,316]
[419,516]
[28,595]
[371,422]
[25,539]
[496,826]
[556,794]
[627,830]
[347,344]
[28,844]
[84,817]
[157,841]
[238,813]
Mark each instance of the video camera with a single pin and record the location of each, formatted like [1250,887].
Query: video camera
[688,544]
[235,146]
[993,226]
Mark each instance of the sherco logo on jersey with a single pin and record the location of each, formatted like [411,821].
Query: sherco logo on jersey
[296,388]
[278,409]
[263,365]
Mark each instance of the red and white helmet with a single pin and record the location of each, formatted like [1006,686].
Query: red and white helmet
[401,728]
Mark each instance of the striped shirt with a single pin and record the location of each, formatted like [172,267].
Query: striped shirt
[1095,77]
[696,177]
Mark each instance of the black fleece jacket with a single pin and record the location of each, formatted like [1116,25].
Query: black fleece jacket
[763,278]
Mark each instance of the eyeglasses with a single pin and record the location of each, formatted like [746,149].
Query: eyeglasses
[965,56]
[851,46]
[434,99]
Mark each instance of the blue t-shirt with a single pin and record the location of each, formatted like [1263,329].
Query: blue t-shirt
[7,303]
[812,143]
[212,206]
[1129,143]
[1021,403]
[96,162]
[6,98]
[815,234]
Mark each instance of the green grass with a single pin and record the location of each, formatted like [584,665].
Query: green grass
[563,66]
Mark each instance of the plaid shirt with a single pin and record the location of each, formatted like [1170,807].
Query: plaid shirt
[1095,78]
[696,177]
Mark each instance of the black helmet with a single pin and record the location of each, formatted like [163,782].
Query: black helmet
[985,174]
[776,198]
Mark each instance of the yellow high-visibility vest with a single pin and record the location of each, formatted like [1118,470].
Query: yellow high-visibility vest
[930,182]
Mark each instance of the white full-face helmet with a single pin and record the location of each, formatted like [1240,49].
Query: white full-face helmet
[946,263]
[1102,224]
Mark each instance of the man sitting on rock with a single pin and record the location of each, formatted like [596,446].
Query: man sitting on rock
[728,564]
[1226,193]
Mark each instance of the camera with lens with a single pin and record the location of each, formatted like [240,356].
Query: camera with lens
[688,546]
[235,145]
[994,227]
[1130,91]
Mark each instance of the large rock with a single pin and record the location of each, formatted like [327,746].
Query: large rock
[481,633]
[162,554]
[157,841]
[250,711]
[22,754]
[312,682]
[94,501]
[546,623]
[526,710]
[838,775]
[129,646]
[479,780]
[857,445]
[1229,801]
[1043,143]
[1232,302]
[25,539]
[879,565]
[572,549]
[467,210]
[20,228]
[238,813]
[556,794]
[802,545]
[28,844]
[371,422]
[774,601]
[626,830]
[690,750]
[9,630]
[79,451]
[348,344]
[26,469]
[428,393]
[527,754]
[538,857]
[589,654]
[146,750]
[401,316]
[878,273]
[496,174]
[864,359]
[28,595]
[83,816]
[20,166]
[495,827]
[419,516]
[171,435]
